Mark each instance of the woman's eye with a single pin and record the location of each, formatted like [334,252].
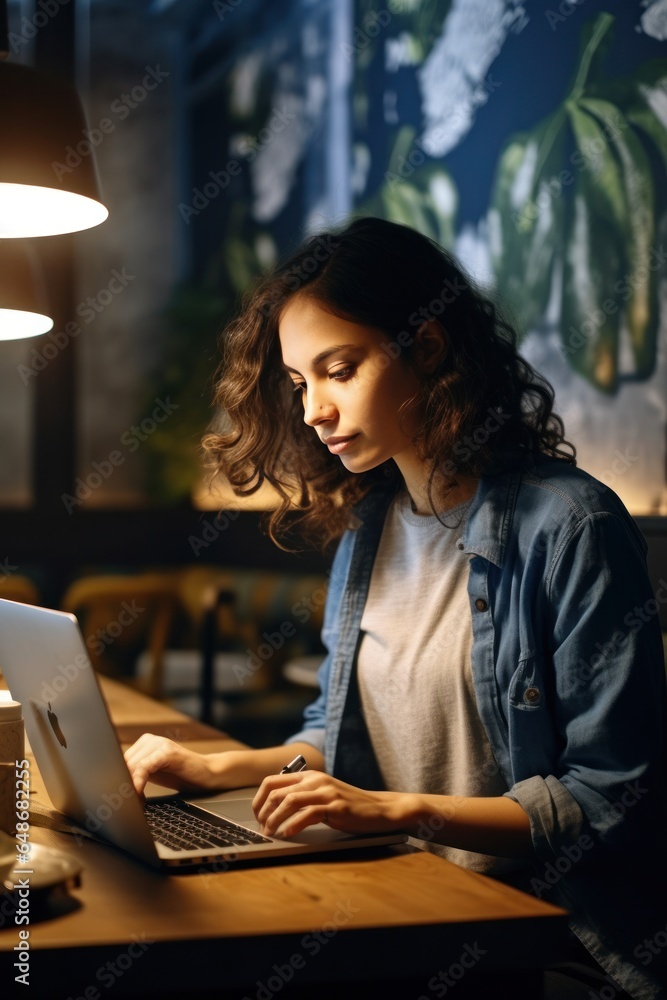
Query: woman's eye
[298,386]
[342,374]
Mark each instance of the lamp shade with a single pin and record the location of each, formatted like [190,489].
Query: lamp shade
[23,300]
[48,176]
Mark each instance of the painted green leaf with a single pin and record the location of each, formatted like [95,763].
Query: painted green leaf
[640,288]
[580,190]
[427,202]
[525,219]
[416,192]
[590,317]
[594,154]
[645,121]
[595,40]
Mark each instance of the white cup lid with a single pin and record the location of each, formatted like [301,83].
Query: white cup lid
[10,711]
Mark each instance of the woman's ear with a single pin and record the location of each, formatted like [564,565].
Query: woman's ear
[430,346]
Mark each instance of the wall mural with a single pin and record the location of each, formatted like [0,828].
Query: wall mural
[565,224]
[602,231]
[531,139]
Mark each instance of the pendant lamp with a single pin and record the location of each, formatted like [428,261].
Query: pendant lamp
[24,311]
[48,176]
[48,183]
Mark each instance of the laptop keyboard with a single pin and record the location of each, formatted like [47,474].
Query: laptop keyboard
[176,827]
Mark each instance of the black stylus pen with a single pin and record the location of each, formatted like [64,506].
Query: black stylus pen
[298,764]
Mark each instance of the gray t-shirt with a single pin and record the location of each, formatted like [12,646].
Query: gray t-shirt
[414,668]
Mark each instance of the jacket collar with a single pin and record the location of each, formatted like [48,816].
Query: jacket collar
[490,518]
[488,523]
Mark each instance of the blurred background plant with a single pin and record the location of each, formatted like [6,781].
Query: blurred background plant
[186,375]
[573,214]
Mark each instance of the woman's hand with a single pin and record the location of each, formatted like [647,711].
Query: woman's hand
[156,758]
[286,804]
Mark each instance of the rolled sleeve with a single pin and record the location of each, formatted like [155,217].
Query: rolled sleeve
[609,681]
[314,715]
[556,819]
[315,737]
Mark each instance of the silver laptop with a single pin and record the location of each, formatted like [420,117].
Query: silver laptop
[46,665]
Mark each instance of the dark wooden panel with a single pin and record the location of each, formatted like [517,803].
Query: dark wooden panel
[54,547]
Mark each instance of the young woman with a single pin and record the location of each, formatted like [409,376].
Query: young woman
[494,682]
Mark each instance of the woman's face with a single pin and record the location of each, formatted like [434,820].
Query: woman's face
[352,388]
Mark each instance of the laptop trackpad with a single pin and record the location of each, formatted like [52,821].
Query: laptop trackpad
[235,810]
[240,811]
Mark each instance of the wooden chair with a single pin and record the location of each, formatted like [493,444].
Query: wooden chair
[122,615]
[19,588]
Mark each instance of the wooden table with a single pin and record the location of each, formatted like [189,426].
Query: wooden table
[386,922]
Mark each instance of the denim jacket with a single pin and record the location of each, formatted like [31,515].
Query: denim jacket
[569,678]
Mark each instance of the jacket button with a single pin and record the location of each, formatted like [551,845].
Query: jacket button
[531,696]
[481,604]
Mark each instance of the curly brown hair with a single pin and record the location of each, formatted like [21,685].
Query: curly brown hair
[485,408]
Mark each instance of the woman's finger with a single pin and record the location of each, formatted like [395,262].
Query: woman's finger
[281,808]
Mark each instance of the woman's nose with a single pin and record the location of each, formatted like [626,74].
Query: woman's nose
[316,407]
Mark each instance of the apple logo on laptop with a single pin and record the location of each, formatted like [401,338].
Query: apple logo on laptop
[55,726]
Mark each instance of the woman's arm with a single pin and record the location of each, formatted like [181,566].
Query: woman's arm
[291,802]
[155,758]
[161,760]
[609,691]
[287,804]
[497,825]
[158,759]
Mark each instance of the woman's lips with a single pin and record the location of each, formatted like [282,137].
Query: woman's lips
[338,444]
